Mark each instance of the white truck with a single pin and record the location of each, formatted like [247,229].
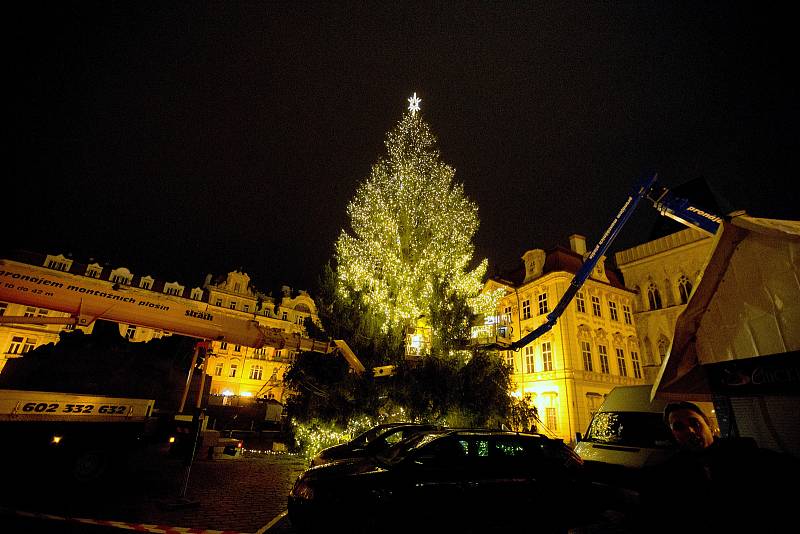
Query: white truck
[79,434]
[84,432]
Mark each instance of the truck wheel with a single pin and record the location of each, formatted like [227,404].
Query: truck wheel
[90,465]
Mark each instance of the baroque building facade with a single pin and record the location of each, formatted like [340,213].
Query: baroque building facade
[663,273]
[234,370]
[593,347]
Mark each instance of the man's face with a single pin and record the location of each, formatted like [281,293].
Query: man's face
[690,430]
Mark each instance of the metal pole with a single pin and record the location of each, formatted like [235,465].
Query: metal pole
[189,377]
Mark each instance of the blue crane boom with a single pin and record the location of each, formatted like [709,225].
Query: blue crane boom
[665,202]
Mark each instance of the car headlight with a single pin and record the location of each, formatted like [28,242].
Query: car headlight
[303,490]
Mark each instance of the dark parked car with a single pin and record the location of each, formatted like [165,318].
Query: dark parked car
[373,441]
[474,480]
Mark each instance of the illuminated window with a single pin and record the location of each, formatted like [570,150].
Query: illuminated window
[510,361]
[543,308]
[612,310]
[507,314]
[57,265]
[234,368]
[637,368]
[547,356]
[684,288]
[218,369]
[593,402]
[530,366]
[16,345]
[526,309]
[172,291]
[130,333]
[580,304]
[596,307]
[256,372]
[601,349]
[586,351]
[626,314]
[552,420]
[623,369]
[653,297]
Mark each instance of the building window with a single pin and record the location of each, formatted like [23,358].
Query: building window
[593,402]
[237,348]
[246,307]
[510,361]
[119,279]
[236,287]
[147,284]
[586,351]
[30,343]
[684,288]
[543,304]
[612,310]
[219,302]
[552,421]
[637,368]
[530,365]
[580,304]
[626,314]
[596,307]
[234,368]
[130,333]
[547,356]
[526,309]
[653,297]
[57,265]
[16,345]
[256,372]
[172,291]
[223,345]
[3,308]
[218,369]
[623,369]
[233,304]
[284,316]
[507,314]
[92,273]
[278,355]
[601,349]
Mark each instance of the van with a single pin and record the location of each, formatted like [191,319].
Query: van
[626,434]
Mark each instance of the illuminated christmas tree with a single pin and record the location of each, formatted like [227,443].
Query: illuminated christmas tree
[412,230]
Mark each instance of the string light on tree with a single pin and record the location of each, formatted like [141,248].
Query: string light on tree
[412,228]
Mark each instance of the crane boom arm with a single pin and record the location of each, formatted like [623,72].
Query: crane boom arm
[87,299]
[665,202]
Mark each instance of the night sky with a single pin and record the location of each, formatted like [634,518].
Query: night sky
[185,138]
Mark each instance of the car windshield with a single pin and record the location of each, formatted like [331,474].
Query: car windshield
[371,434]
[401,450]
[633,429]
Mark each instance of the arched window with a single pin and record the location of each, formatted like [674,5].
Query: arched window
[653,297]
[684,288]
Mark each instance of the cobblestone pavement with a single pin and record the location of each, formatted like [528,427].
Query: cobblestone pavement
[241,495]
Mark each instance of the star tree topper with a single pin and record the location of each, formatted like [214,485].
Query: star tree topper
[413,103]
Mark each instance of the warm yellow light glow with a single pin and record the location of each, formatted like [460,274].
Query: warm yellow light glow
[227,393]
[247,394]
[172,439]
[56,440]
